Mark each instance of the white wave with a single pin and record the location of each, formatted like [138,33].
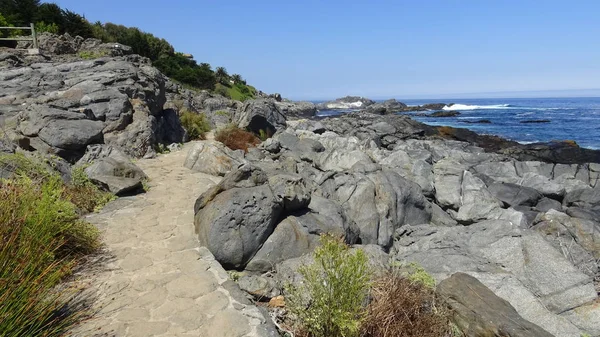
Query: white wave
[474,107]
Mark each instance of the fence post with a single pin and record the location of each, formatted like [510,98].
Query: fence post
[34,36]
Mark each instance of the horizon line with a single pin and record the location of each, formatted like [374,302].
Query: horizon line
[556,93]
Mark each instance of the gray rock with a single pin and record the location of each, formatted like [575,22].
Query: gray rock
[290,239]
[584,198]
[292,190]
[546,204]
[115,100]
[518,265]
[260,114]
[378,202]
[262,288]
[514,195]
[115,172]
[477,203]
[477,311]
[234,218]
[447,177]
[212,157]
[441,218]
[585,233]
[585,318]
[544,185]
[236,223]
[297,109]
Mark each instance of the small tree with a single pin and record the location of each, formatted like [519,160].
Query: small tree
[237,78]
[330,300]
[222,75]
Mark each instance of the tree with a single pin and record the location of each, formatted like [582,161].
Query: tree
[50,13]
[237,78]
[222,75]
[19,12]
[76,24]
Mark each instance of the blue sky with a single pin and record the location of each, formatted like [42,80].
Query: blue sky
[405,49]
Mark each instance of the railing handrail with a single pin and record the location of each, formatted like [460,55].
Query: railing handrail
[32,38]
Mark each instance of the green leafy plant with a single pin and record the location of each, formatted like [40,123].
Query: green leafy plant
[196,125]
[42,27]
[329,301]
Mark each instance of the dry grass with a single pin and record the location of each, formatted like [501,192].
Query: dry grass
[401,307]
[236,138]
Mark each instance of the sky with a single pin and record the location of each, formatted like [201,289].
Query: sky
[380,49]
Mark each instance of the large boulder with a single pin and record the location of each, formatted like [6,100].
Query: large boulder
[213,158]
[447,178]
[477,311]
[378,202]
[69,105]
[260,114]
[387,107]
[111,169]
[514,195]
[297,109]
[234,218]
[518,265]
[299,234]
[64,133]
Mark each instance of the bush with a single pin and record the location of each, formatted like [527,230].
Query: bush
[405,306]
[236,138]
[330,300]
[41,239]
[196,125]
[83,193]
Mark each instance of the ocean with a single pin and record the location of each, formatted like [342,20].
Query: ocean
[575,119]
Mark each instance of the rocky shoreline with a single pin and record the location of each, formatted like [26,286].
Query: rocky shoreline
[520,222]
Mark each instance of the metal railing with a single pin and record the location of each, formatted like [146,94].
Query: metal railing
[33,37]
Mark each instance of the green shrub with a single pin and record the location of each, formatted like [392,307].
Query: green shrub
[42,27]
[83,193]
[329,302]
[196,125]
[41,240]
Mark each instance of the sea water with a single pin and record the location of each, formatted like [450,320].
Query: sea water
[575,119]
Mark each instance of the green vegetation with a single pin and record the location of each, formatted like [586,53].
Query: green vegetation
[341,296]
[235,138]
[238,91]
[330,300]
[49,17]
[84,194]
[89,55]
[196,125]
[41,241]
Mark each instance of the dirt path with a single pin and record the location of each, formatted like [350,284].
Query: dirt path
[158,282]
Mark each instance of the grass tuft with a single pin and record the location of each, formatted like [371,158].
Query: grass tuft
[196,125]
[41,241]
[236,138]
[401,306]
